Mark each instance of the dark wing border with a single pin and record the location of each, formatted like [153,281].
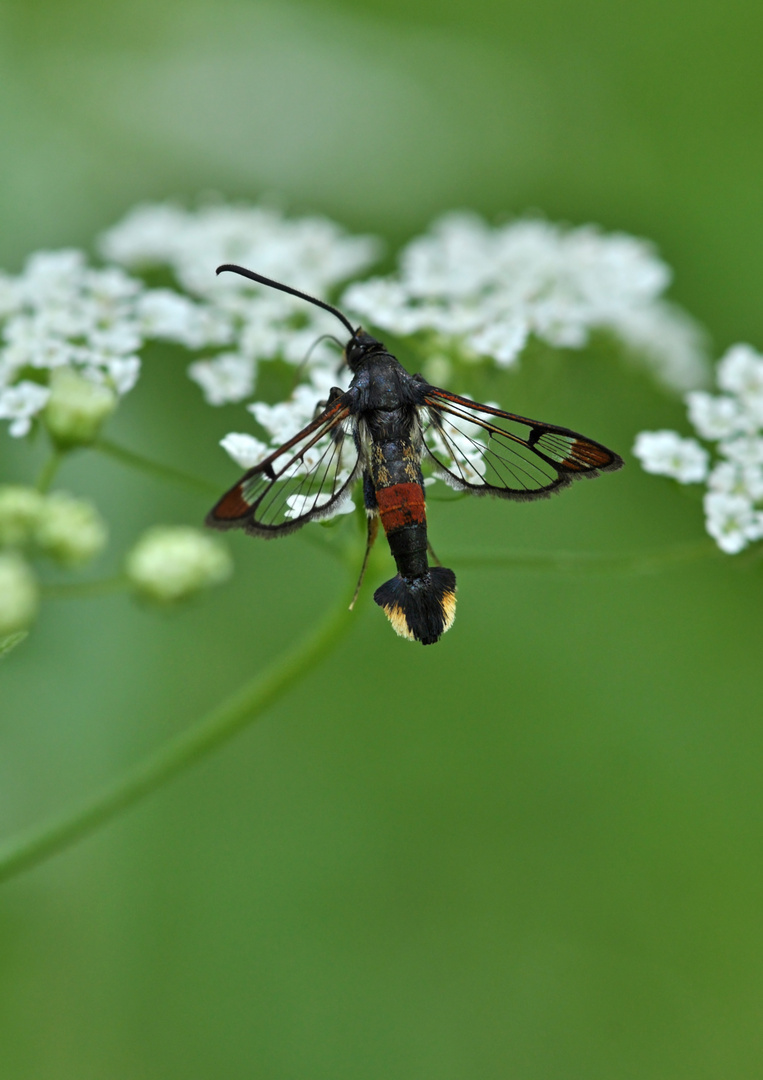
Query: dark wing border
[239,506]
[567,455]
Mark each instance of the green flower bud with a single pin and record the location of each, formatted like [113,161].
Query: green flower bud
[76,408]
[18,594]
[169,563]
[70,530]
[20,510]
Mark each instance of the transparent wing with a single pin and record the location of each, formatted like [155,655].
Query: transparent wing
[304,480]
[484,450]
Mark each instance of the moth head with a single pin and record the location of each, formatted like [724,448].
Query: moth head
[359,347]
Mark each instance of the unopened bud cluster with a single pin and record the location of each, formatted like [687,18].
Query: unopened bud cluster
[68,530]
[65,529]
[76,408]
[170,563]
[19,594]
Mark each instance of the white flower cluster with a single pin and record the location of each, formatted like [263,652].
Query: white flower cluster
[486,290]
[60,315]
[733,421]
[257,323]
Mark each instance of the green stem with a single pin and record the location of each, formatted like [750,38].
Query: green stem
[65,590]
[249,703]
[154,468]
[587,562]
[49,470]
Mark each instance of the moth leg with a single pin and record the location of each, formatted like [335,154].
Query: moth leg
[334,393]
[303,363]
[373,529]
[431,551]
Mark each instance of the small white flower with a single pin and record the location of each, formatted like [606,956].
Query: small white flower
[51,276]
[123,372]
[301,504]
[171,316]
[745,450]
[732,521]
[170,563]
[740,372]
[503,341]
[118,339]
[19,403]
[286,418]
[665,453]
[714,416]
[734,479]
[19,597]
[33,342]
[226,378]
[245,450]
[146,236]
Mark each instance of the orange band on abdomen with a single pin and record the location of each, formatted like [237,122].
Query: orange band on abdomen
[401,505]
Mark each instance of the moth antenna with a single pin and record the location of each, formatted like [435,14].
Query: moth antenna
[308,354]
[242,270]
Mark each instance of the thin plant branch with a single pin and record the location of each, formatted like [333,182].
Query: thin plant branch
[155,468]
[49,470]
[574,562]
[248,704]
[75,590]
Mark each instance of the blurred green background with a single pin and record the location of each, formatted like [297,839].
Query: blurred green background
[533,851]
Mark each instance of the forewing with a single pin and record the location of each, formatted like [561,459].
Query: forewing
[304,480]
[482,449]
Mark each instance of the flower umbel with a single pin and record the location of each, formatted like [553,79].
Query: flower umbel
[733,421]
[486,290]
[61,315]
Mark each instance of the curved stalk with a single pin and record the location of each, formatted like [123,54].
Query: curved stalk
[39,843]
[155,468]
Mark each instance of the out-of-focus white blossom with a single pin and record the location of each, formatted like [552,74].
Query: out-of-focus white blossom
[19,595]
[190,242]
[740,373]
[61,315]
[744,449]
[225,378]
[733,479]
[488,289]
[733,421]
[313,254]
[667,454]
[69,530]
[245,450]
[715,416]
[19,403]
[732,521]
[170,563]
